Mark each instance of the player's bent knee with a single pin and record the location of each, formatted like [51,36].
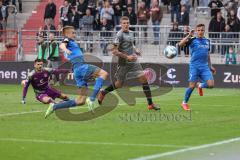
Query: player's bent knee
[47,100]
[118,85]
[143,79]
[44,102]
[64,97]
[192,85]
[210,86]
[103,74]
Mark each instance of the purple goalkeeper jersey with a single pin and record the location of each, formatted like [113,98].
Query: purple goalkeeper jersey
[39,80]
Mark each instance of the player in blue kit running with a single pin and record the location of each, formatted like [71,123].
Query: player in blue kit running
[200,67]
[82,73]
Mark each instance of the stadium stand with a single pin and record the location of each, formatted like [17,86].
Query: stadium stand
[34,11]
[31,27]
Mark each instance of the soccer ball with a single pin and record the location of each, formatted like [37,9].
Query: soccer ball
[170,52]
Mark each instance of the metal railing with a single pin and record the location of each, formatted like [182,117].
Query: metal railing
[94,42]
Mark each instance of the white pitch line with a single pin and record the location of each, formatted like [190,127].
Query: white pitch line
[187,149]
[89,143]
[18,113]
[121,104]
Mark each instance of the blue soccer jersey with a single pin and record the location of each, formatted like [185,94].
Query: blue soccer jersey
[76,57]
[199,49]
[199,69]
[82,71]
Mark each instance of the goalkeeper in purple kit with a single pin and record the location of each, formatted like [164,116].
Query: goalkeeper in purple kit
[39,79]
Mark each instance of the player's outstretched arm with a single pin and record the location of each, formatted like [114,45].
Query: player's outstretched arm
[63,46]
[186,39]
[25,84]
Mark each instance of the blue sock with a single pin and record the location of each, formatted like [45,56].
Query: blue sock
[97,87]
[203,85]
[64,104]
[187,94]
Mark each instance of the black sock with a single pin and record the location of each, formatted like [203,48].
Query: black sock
[147,92]
[109,89]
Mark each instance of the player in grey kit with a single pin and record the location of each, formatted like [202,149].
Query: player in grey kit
[127,63]
[39,78]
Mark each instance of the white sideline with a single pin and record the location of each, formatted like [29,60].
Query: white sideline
[187,149]
[89,143]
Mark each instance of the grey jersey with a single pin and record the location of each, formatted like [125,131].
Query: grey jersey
[125,41]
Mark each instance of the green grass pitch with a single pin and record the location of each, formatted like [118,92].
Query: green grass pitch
[25,134]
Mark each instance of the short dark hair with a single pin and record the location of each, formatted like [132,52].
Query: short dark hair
[129,6]
[38,60]
[200,25]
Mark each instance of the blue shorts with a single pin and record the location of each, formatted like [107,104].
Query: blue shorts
[201,73]
[83,73]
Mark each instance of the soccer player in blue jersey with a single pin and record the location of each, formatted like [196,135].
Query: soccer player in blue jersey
[200,67]
[82,73]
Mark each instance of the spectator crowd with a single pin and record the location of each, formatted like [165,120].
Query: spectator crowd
[104,15]
[223,30]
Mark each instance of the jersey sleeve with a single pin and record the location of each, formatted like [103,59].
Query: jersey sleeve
[65,40]
[190,41]
[117,39]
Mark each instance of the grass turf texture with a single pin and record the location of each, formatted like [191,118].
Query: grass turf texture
[214,117]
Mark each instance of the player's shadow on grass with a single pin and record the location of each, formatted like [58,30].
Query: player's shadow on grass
[109,104]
